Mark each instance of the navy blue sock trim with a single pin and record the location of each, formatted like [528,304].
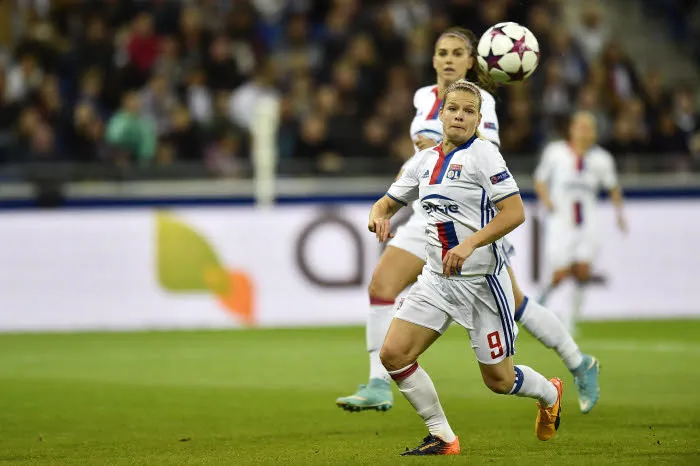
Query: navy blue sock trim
[519,311]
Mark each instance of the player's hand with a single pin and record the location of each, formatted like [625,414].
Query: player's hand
[622,223]
[454,259]
[424,143]
[381,227]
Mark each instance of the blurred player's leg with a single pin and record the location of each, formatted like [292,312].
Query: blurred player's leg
[581,272]
[544,325]
[395,271]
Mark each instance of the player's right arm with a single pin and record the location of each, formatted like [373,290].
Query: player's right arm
[401,192]
[542,176]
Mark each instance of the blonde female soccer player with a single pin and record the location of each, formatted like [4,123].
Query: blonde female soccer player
[472,201]
[454,58]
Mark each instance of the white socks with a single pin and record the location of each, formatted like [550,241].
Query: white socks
[416,386]
[532,384]
[544,325]
[380,315]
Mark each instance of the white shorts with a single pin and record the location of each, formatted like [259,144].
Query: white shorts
[483,305]
[411,237]
[568,246]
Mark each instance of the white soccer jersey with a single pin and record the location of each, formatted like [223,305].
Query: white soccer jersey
[458,191]
[574,182]
[426,122]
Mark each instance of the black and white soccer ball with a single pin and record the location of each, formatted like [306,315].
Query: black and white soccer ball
[509,52]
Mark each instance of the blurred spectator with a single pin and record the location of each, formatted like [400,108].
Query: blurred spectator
[621,75]
[157,101]
[655,97]
[569,57]
[297,48]
[667,137]
[625,143]
[686,114]
[375,139]
[221,69]
[9,112]
[199,98]
[313,142]
[591,33]
[193,39]
[24,77]
[589,100]
[556,97]
[43,147]
[90,92]
[409,15]
[84,137]
[168,63]
[520,136]
[131,136]
[184,137]
[242,104]
[143,44]
[95,50]
[29,121]
[223,156]
[163,82]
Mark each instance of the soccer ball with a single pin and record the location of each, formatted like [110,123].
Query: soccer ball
[509,52]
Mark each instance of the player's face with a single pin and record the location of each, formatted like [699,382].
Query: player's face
[452,59]
[583,130]
[460,116]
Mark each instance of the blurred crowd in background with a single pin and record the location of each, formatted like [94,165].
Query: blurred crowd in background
[156,83]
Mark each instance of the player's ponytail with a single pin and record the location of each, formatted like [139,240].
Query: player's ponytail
[476,74]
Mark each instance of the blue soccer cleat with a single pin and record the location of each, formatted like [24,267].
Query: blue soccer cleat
[375,395]
[586,379]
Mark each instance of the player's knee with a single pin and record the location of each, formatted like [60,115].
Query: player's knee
[393,358]
[500,383]
[380,287]
[582,273]
[559,276]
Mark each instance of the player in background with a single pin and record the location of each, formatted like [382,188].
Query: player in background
[402,261]
[472,201]
[567,181]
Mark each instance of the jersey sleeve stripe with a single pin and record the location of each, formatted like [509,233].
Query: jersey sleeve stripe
[506,196]
[396,199]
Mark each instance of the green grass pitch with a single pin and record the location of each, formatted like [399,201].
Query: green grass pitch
[267,397]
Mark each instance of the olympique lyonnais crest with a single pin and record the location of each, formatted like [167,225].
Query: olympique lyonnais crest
[454,171]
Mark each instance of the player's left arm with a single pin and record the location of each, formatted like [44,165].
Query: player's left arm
[502,189]
[611,184]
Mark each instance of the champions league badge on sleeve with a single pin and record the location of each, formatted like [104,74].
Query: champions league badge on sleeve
[454,171]
[498,177]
